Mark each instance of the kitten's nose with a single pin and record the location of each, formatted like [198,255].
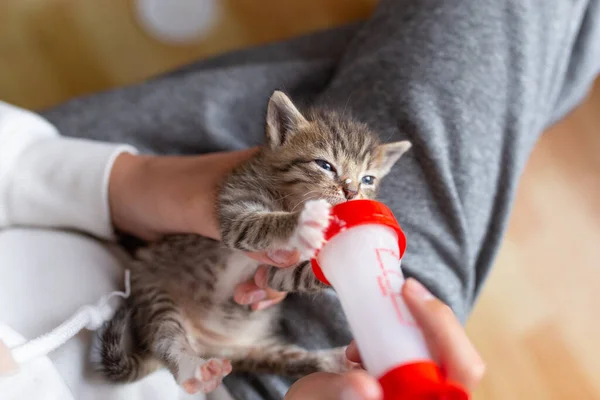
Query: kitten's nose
[350,193]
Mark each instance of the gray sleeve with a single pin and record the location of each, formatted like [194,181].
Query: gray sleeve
[472,83]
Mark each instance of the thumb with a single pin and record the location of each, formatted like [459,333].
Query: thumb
[445,335]
[354,385]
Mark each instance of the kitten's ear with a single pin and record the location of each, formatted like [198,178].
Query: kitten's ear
[390,153]
[283,118]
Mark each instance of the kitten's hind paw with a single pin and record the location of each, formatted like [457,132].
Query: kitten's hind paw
[310,232]
[207,376]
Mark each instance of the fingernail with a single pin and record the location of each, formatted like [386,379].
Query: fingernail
[254,296]
[260,278]
[263,304]
[350,394]
[283,257]
[415,288]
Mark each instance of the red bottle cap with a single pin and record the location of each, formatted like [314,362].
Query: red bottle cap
[354,213]
[420,381]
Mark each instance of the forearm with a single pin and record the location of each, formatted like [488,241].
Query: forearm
[50,181]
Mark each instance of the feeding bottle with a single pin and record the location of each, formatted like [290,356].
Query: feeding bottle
[361,260]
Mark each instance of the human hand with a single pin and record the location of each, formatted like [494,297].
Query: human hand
[445,337]
[150,196]
[251,293]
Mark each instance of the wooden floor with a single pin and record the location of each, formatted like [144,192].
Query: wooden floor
[535,323]
[51,50]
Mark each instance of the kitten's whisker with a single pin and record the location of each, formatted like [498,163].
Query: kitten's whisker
[310,192]
[284,197]
[305,200]
[347,101]
[299,204]
[291,194]
[296,206]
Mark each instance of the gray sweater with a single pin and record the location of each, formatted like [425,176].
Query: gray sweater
[472,83]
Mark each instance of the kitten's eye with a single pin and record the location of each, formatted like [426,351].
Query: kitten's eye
[368,180]
[325,165]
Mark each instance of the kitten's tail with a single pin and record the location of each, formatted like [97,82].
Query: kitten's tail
[118,364]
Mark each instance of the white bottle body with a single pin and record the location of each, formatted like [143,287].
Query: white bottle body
[363,266]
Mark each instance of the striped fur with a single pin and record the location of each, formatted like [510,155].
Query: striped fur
[181,311]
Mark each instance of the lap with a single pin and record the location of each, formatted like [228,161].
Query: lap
[45,277]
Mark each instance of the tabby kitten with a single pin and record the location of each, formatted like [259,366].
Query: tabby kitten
[181,313]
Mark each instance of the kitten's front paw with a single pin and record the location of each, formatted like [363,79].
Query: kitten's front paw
[310,233]
[207,376]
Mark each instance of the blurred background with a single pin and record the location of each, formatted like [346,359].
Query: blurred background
[535,323]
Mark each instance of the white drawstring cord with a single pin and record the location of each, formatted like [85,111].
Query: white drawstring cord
[89,317]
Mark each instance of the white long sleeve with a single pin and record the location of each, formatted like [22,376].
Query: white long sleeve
[51,181]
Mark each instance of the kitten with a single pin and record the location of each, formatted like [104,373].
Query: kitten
[181,313]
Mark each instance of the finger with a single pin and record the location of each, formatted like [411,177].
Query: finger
[261,277]
[355,385]
[273,297]
[352,352]
[445,335]
[273,294]
[278,258]
[248,293]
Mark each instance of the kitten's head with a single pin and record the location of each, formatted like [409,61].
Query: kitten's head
[324,155]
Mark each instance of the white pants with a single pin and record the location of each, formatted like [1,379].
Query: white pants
[45,276]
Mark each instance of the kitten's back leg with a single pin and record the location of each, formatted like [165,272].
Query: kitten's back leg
[118,363]
[162,330]
[293,361]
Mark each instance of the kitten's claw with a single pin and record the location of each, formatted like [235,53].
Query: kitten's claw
[312,223]
[208,376]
